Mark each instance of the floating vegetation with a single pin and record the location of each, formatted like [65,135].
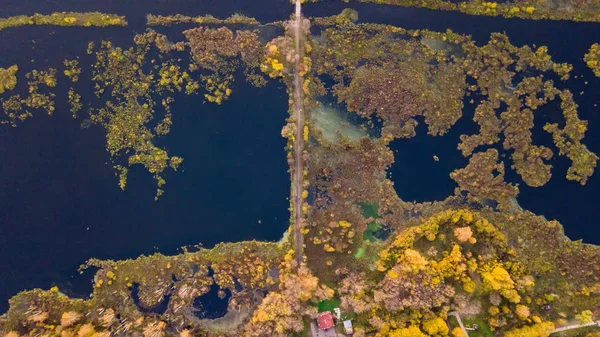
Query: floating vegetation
[236,19]
[592,59]
[171,281]
[396,267]
[408,78]
[8,78]
[220,52]
[72,70]
[16,108]
[74,102]
[127,114]
[554,10]
[479,180]
[69,19]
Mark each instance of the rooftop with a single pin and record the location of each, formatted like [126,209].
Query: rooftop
[325,320]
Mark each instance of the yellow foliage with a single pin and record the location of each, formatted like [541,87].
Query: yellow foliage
[458,332]
[68,318]
[497,278]
[522,311]
[328,248]
[344,224]
[305,133]
[536,330]
[260,316]
[463,234]
[411,331]
[276,65]
[414,260]
[584,317]
[86,330]
[469,285]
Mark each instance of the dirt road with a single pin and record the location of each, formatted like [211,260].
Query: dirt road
[299,143]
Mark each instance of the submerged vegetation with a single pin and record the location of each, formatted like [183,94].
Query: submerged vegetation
[394,268]
[89,19]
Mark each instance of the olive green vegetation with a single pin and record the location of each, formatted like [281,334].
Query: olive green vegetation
[8,78]
[587,11]
[236,19]
[502,265]
[182,278]
[135,91]
[17,108]
[87,19]
[592,59]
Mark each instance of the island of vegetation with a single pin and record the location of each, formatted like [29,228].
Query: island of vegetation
[592,59]
[586,11]
[89,19]
[474,264]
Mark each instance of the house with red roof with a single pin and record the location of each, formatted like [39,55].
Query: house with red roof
[325,320]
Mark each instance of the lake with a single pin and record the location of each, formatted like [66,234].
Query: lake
[418,177]
[60,203]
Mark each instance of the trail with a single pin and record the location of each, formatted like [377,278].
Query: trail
[576,326]
[460,323]
[299,143]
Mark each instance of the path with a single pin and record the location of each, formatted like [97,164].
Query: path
[575,326]
[462,326]
[298,176]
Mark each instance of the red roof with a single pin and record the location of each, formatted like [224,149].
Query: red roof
[325,320]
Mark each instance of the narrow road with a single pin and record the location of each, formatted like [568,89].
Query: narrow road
[299,143]
[571,327]
[460,323]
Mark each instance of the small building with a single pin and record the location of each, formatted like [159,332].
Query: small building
[348,327]
[338,313]
[325,320]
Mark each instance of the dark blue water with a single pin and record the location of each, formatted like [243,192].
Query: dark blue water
[59,199]
[418,177]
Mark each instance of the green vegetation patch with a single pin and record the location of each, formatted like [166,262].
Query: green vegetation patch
[329,305]
[370,209]
[482,331]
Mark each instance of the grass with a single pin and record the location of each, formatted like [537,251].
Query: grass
[329,305]
[369,234]
[360,252]
[370,209]
[453,322]
[484,328]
